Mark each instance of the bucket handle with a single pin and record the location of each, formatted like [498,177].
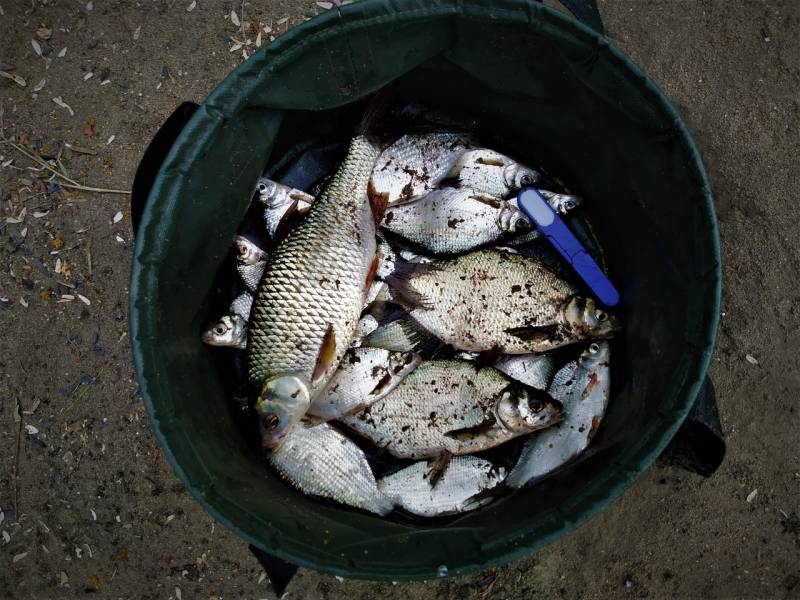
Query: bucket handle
[586,12]
[154,157]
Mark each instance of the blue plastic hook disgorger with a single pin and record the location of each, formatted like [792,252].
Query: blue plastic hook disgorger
[549,224]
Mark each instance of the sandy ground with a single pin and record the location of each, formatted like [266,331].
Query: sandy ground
[88,502]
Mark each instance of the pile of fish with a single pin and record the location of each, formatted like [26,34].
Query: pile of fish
[406,316]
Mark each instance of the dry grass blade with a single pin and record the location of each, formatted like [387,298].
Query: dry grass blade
[71,183]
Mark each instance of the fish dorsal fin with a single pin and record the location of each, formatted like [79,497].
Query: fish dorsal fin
[327,354]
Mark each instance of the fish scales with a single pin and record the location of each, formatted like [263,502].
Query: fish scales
[316,278]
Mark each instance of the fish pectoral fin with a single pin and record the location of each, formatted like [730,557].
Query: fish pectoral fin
[488,200]
[437,467]
[355,410]
[378,202]
[373,271]
[402,287]
[488,424]
[533,333]
[327,354]
[491,162]
[284,225]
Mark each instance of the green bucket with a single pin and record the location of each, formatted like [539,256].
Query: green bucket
[554,93]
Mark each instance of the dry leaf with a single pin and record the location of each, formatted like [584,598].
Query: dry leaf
[88,76]
[235,47]
[325,5]
[117,217]
[281,21]
[44,33]
[88,127]
[39,86]
[63,52]
[14,77]
[137,32]
[192,6]
[235,18]
[63,104]
[258,40]
[110,139]
[36,47]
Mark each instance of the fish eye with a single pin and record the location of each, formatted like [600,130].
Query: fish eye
[526,179]
[535,405]
[242,249]
[219,329]
[270,421]
[262,187]
[569,204]
[601,316]
[594,348]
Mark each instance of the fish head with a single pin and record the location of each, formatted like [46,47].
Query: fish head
[230,331]
[564,203]
[283,401]
[524,409]
[583,315]
[595,355]
[247,253]
[518,176]
[267,189]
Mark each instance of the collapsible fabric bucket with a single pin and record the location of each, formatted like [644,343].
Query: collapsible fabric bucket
[553,93]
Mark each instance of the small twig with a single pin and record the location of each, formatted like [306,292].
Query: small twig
[87,188]
[71,182]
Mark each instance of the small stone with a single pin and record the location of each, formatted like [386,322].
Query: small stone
[752,496]
[751,359]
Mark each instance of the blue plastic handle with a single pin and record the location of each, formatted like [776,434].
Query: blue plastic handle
[536,208]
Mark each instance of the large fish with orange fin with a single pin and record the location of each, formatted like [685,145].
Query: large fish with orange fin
[306,309]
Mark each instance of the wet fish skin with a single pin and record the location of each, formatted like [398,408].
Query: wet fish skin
[583,387]
[490,172]
[280,201]
[230,332]
[316,459]
[453,406]
[365,376]
[250,262]
[416,163]
[535,370]
[454,220]
[308,304]
[242,305]
[461,488]
[494,300]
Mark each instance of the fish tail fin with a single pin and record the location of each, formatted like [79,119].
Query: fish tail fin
[375,111]
[400,282]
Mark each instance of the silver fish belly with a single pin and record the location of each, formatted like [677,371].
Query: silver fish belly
[583,388]
[535,370]
[416,163]
[318,460]
[454,220]
[365,376]
[462,487]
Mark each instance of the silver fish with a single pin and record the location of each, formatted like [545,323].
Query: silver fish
[454,220]
[242,305]
[490,300]
[250,262]
[453,406]
[230,332]
[583,388]
[310,298]
[318,460]
[416,163]
[462,487]
[535,370]
[280,201]
[365,376]
[491,173]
